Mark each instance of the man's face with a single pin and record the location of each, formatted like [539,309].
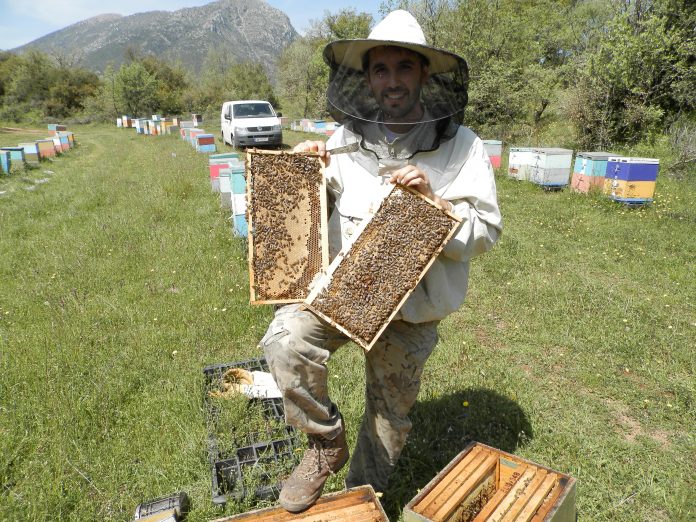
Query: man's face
[396,76]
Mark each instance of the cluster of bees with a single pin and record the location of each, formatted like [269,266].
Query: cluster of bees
[284,210]
[384,264]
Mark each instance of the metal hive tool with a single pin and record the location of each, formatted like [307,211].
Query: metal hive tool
[366,284]
[286,206]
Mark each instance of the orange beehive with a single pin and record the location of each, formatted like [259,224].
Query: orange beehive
[353,505]
[485,484]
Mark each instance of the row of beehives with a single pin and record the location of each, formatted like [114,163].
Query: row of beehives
[227,178]
[481,484]
[624,179]
[326,128]
[31,153]
[158,126]
[198,138]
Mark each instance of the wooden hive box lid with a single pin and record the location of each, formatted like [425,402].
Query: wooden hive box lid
[354,505]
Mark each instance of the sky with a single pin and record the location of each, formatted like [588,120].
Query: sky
[22,21]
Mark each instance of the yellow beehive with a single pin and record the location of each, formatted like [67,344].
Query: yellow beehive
[484,484]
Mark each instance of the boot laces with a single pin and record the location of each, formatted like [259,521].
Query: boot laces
[311,464]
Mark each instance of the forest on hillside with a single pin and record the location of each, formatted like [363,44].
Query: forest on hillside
[591,74]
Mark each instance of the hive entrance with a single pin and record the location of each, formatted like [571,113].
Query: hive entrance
[286,204]
[365,286]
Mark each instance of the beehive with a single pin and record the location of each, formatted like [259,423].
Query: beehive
[485,484]
[286,211]
[366,284]
[46,148]
[31,152]
[551,167]
[589,171]
[5,161]
[353,505]
[520,162]
[631,180]
[494,149]
[16,155]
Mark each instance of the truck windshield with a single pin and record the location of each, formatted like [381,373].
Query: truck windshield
[253,110]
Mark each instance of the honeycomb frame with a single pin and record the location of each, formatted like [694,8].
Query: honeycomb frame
[287,224]
[372,256]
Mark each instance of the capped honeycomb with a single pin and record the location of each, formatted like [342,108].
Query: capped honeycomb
[365,286]
[286,212]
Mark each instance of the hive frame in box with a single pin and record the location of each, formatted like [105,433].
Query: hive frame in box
[257,447]
[348,253]
[321,242]
[358,504]
[522,490]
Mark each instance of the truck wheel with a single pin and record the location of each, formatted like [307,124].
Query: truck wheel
[235,143]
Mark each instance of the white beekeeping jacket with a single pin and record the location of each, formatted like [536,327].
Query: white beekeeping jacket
[459,172]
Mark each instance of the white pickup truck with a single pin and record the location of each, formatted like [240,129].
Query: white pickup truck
[247,123]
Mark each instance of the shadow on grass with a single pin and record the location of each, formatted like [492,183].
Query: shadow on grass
[442,428]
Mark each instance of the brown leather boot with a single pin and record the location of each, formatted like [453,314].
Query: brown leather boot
[323,457]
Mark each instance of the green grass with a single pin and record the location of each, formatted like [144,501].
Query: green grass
[120,280]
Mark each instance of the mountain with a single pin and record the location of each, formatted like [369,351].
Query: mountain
[251,30]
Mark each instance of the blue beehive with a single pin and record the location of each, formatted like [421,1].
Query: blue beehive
[16,154]
[237,180]
[238,186]
[5,161]
[589,170]
[631,180]
[241,228]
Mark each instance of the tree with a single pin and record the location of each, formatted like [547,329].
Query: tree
[135,89]
[640,77]
[303,76]
[303,79]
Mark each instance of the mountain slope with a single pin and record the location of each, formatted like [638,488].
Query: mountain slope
[251,30]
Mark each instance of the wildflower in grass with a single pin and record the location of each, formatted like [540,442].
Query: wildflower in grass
[465,404]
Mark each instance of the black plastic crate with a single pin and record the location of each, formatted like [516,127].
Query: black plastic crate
[266,456]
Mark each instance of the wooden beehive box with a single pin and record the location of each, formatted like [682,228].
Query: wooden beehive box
[353,505]
[366,284]
[287,214]
[485,484]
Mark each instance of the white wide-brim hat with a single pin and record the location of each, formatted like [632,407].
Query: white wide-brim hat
[399,28]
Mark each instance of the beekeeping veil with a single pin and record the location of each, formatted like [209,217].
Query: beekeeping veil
[443,95]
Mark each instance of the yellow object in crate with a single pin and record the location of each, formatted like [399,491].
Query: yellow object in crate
[485,484]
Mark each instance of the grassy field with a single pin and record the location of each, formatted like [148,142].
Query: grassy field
[120,280]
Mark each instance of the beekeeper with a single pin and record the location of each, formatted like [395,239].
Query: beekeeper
[402,101]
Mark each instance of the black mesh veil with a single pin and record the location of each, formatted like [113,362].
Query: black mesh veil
[443,96]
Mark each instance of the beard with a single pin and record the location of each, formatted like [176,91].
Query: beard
[400,105]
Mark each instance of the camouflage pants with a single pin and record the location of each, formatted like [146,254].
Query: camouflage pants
[297,346]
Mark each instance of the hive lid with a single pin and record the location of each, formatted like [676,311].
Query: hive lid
[601,156]
[552,150]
